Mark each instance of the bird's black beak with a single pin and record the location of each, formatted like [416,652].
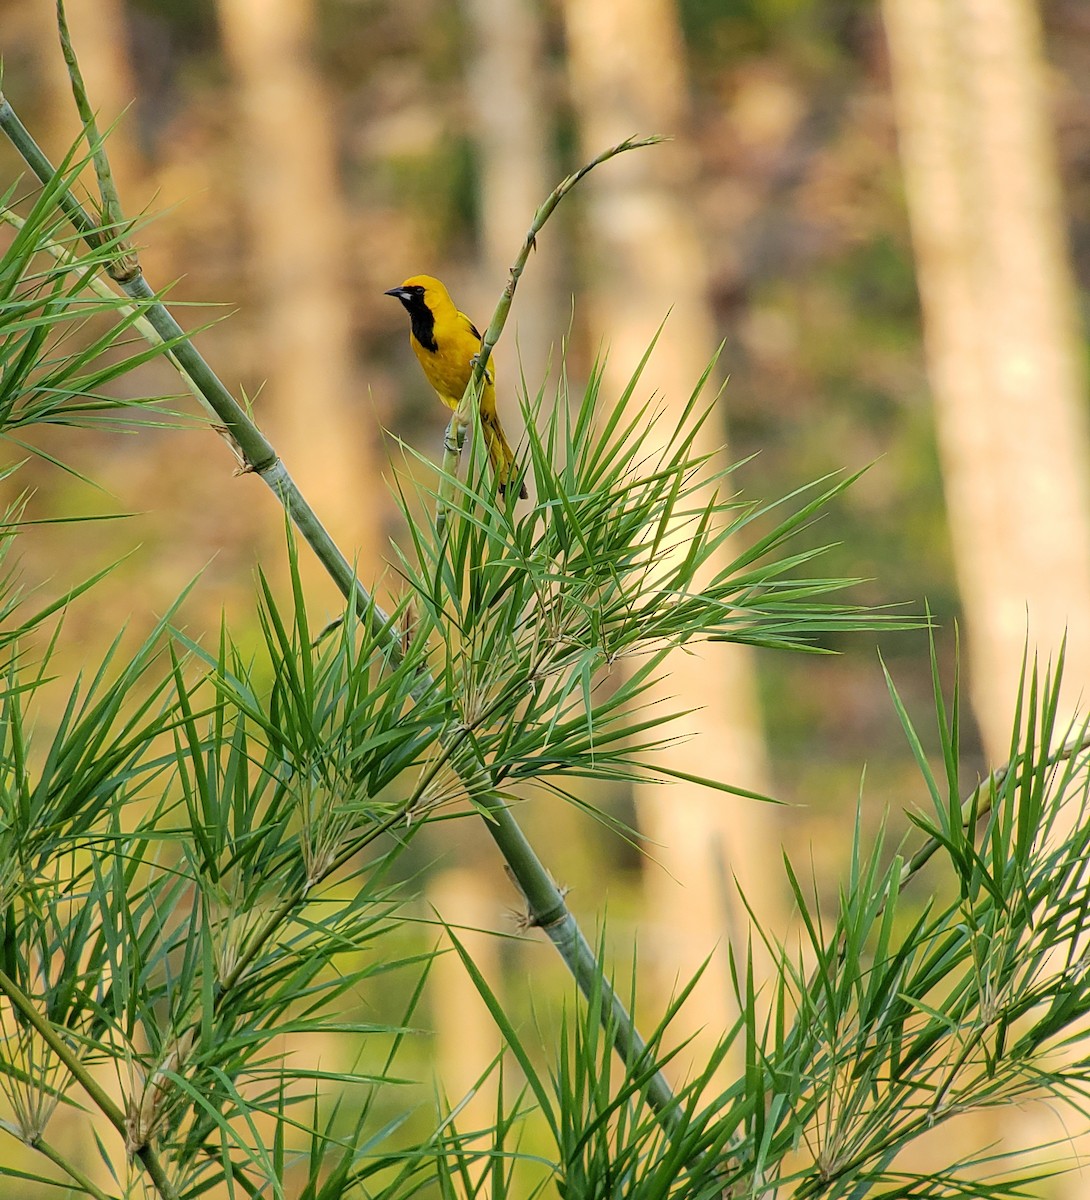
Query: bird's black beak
[399,293]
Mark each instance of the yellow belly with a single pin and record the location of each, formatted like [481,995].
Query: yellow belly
[447,371]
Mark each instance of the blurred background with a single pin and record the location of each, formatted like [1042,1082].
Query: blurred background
[881,211]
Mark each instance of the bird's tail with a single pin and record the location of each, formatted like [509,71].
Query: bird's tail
[500,454]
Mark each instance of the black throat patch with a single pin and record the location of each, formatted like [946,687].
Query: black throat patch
[423,322]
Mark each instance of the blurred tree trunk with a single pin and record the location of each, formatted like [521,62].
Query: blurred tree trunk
[1000,332]
[514,139]
[1002,354]
[628,76]
[313,403]
[467,1041]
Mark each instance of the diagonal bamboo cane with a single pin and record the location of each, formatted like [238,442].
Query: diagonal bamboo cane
[545,901]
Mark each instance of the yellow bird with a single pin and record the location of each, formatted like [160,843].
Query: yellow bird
[446,341]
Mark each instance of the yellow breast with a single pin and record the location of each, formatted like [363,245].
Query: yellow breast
[449,366]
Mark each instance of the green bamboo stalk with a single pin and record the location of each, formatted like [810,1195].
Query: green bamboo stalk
[125,260]
[45,1030]
[83,1182]
[259,457]
[546,903]
[466,412]
[550,913]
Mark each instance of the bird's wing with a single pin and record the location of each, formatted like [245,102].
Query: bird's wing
[477,334]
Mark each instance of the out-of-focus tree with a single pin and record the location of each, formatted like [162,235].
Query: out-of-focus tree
[1003,358]
[646,259]
[313,401]
[467,1041]
[513,135]
[999,313]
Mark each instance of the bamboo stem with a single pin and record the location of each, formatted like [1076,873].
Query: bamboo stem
[111,203]
[549,912]
[83,1182]
[258,454]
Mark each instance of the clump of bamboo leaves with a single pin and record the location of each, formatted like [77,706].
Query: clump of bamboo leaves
[914,1004]
[201,857]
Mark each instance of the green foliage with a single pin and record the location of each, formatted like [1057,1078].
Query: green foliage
[527,612]
[65,343]
[911,1018]
[894,1016]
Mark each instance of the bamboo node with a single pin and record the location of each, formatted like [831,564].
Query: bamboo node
[125,266]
